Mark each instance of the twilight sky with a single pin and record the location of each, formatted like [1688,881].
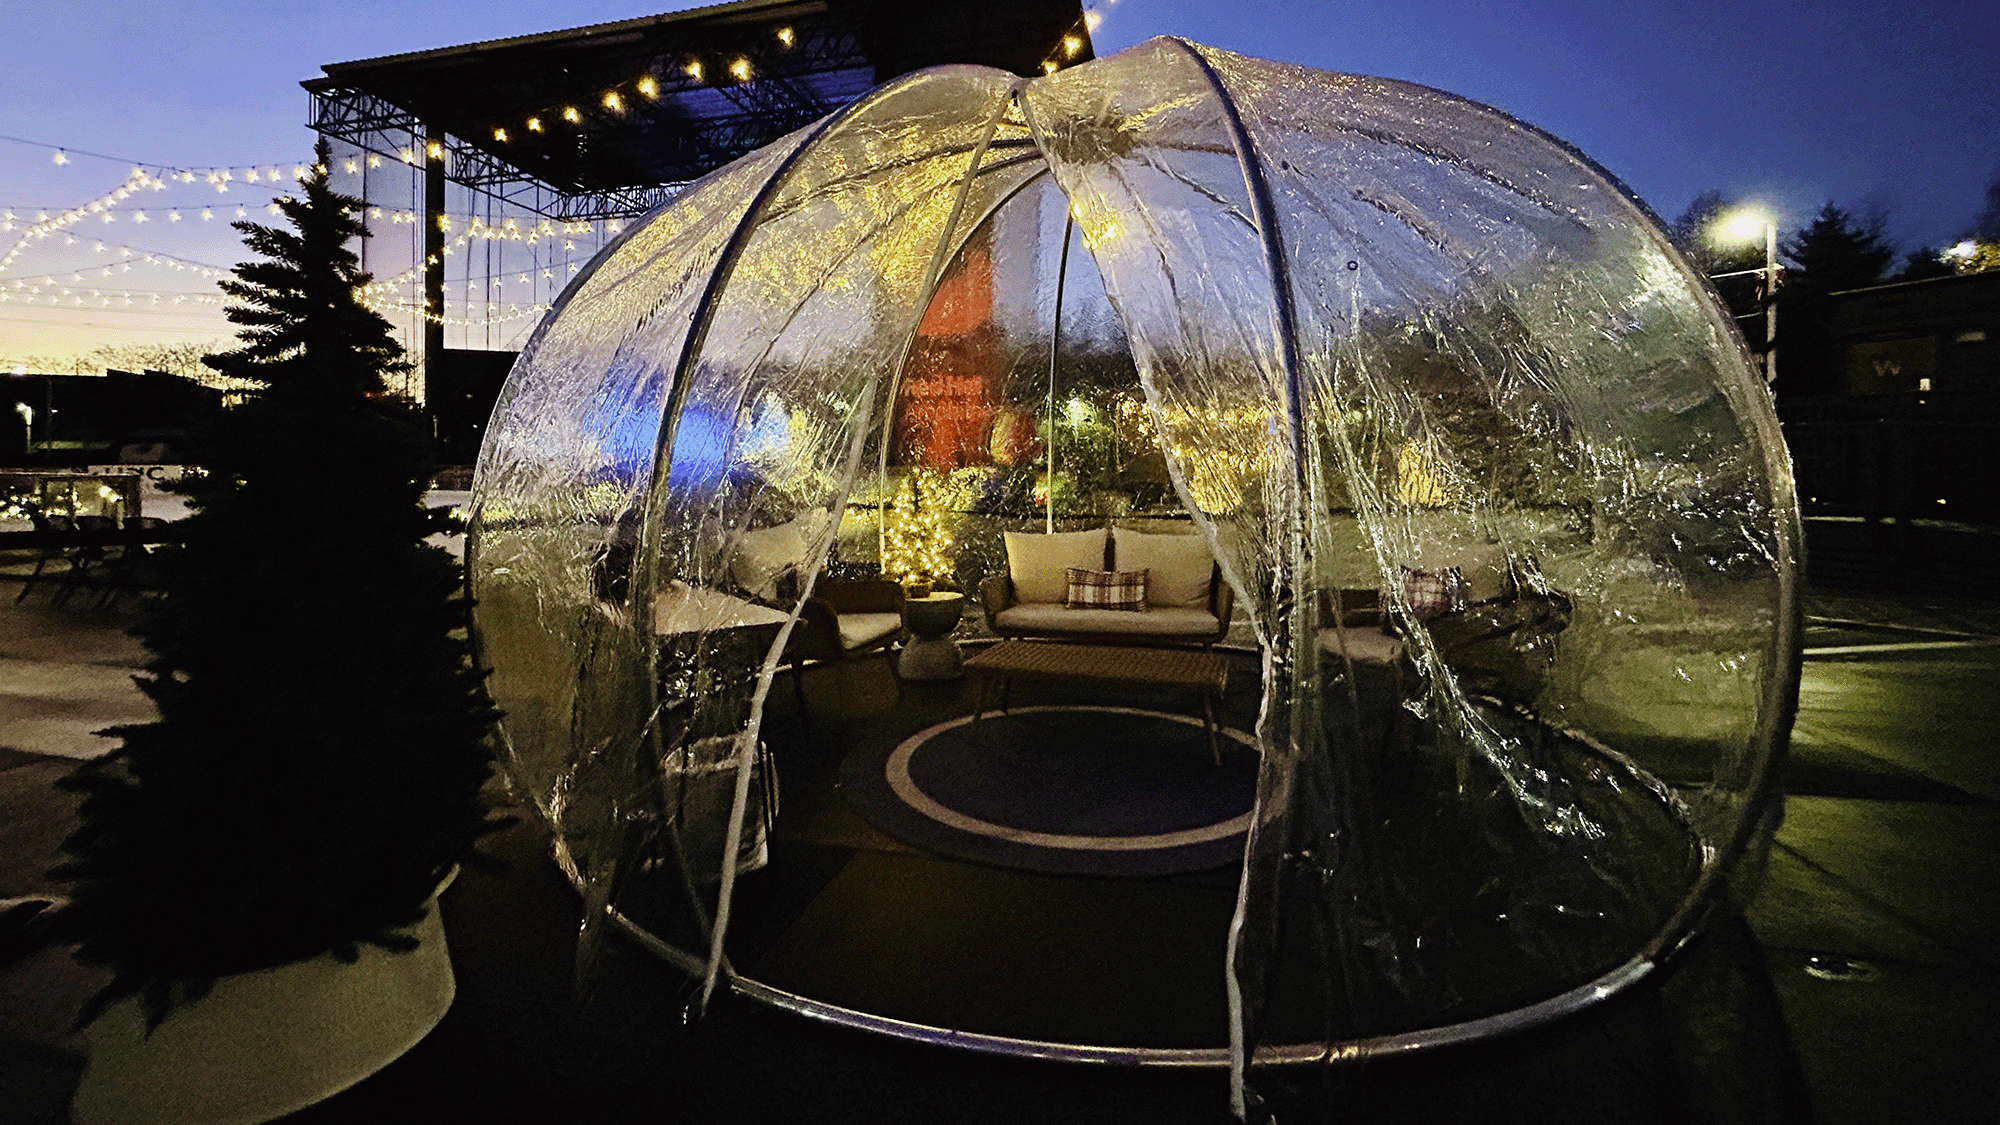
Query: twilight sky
[1864,102]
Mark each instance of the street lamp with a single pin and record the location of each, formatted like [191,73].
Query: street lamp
[1744,225]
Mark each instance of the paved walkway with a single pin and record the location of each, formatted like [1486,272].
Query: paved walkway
[1875,923]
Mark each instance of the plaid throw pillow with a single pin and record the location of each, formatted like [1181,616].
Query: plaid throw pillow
[1105,589]
[1431,592]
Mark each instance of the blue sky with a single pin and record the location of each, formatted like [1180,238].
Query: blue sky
[1866,103]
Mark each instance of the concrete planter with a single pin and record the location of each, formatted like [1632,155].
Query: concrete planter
[268,1043]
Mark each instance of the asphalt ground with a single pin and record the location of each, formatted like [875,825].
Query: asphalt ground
[1861,985]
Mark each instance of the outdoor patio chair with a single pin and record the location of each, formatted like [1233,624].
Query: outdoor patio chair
[91,559]
[52,532]
[135,565]
[845,619]
[1352,624]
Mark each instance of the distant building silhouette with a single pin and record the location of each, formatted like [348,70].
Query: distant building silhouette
[145,416]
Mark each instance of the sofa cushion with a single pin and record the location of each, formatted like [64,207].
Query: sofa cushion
[1051,620]
[1361,644]
[1178,567]
[1105,589]
[1036,562]
[858,629]
[1486,571]
[763,557]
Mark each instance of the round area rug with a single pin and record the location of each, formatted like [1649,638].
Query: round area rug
[1065,790]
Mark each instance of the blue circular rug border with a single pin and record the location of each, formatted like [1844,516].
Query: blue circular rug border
[1175,848]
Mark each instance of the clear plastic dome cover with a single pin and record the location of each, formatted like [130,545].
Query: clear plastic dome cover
[1383,347]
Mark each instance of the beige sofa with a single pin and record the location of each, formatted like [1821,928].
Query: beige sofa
[1186,603]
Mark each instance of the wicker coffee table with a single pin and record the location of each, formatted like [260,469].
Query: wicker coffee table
[1205,673]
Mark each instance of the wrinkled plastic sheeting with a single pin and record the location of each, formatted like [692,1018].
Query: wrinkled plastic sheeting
[740,334]
[1417,335]
[1383,334]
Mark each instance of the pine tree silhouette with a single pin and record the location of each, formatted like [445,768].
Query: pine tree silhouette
[322,735]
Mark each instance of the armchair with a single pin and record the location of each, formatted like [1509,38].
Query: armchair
[845,619]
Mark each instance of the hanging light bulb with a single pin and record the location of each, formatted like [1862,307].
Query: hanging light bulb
[785,36]
[571,114]
[649,87]
[534,124]
[613,102]
[693,70]
[62,157]
[500,135]
[740,69]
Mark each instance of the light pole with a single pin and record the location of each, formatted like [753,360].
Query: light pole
[1744,225]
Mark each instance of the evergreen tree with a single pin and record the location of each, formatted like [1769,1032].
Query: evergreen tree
[1835,252]
[322,735]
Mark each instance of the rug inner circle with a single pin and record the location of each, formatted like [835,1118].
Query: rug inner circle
[1079,778]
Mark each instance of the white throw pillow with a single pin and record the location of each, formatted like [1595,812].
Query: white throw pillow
[1178,566]
[1038,563]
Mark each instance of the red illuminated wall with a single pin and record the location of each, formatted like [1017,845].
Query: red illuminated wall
[951,384]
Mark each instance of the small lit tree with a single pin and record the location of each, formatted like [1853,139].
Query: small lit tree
[917,539]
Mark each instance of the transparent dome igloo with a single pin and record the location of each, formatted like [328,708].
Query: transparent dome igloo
[1374,344]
